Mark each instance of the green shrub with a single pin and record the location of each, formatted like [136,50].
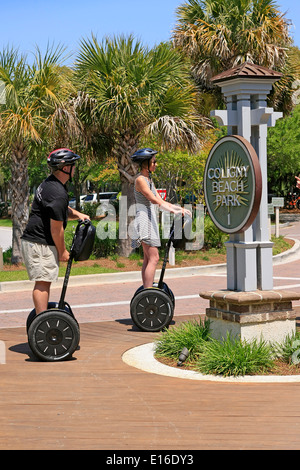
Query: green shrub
[233,357]
[285,350]
[90,209]
[230,357]
[190,334]
[106,247]
[213,237]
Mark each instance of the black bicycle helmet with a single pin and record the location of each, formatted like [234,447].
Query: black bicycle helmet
[62,157]
[143,154]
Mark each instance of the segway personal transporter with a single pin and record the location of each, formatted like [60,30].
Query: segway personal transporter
[54,334]
[152,309]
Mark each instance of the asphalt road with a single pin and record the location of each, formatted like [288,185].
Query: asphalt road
[5,238]
[110,300]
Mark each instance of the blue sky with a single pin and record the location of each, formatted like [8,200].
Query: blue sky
[29,22]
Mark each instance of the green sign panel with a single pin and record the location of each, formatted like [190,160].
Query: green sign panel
[232,184]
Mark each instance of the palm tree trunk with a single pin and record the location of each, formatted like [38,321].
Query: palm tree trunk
[126,147]
[20,198]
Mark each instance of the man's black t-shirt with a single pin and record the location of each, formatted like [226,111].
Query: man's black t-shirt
[50,202]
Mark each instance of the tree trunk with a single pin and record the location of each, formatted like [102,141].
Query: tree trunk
[20,199]
[126,147]
[77,188]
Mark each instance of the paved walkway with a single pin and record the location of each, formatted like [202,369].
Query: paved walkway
[96,401]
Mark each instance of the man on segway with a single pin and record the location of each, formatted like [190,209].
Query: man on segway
[43,242]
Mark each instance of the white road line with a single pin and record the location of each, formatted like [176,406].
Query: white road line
[127,302]
[275,277]
[103,304]
[290,286]
[290,278]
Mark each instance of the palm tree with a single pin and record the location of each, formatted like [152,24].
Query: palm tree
[136,91]
[34,107]
[220,34]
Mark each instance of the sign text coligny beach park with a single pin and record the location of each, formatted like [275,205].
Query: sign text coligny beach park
[232,184]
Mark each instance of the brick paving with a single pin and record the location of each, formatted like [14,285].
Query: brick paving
[96,401]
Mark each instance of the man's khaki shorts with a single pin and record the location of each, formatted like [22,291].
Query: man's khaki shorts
[41,261]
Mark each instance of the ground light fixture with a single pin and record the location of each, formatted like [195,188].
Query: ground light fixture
[183,356]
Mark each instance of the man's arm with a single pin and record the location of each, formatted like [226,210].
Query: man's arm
[57,232]
[74,214]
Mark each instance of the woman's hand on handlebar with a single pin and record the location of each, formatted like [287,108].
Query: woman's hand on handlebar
[174,209]
[186,212]
[183,211]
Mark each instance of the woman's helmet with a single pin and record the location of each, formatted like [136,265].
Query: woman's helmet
[62,157]
[143,154]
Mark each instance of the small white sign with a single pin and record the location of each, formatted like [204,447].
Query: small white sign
[270,209]
[278,201]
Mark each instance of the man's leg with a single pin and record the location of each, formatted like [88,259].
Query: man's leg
[40,296]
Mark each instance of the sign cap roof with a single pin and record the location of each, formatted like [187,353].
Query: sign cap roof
[247,70]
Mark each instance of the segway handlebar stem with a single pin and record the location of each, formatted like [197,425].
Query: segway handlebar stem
[61,303]
[168,245]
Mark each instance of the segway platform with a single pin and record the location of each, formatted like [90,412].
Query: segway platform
[54,334]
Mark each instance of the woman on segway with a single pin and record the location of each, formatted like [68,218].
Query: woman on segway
[146,227]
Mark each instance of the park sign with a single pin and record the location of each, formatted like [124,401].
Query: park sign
[232,184]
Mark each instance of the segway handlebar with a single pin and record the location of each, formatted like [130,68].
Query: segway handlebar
[74,254]
[168,245]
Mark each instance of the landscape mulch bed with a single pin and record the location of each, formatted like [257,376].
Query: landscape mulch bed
[280,368]
[126,264]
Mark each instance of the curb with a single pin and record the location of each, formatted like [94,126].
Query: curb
[110,278]
[142,357]
[288,256]
[135,276]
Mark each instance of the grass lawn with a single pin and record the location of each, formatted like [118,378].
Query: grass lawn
[5,223]
[20,274]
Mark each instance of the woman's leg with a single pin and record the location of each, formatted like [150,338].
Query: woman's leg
[151,258]
[145,263]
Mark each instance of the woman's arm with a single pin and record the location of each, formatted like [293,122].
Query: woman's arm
[143,188]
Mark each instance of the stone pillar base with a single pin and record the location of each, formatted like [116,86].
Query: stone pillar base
[266,315]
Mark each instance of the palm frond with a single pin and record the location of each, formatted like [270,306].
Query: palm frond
[174,132]
[132,86]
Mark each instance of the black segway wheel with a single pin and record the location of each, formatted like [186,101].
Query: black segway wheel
[51,305]
[151,310]
[53,335]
